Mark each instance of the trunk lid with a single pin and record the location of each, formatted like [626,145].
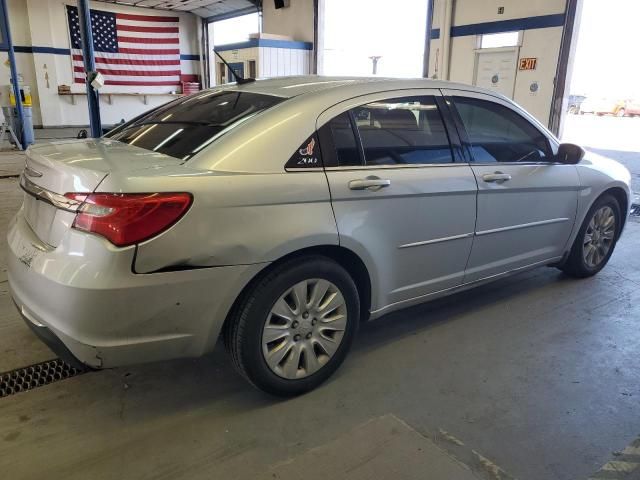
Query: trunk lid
[57,168]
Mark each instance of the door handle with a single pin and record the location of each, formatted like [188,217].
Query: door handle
[370,183]
[497,177]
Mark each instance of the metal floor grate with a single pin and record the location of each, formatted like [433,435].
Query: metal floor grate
[635,209]
[35,376]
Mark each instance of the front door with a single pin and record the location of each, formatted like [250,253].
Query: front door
[496,70]
[400,201]
[526,202]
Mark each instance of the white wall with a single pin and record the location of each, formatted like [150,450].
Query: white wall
[477,11]
[295,21]
[278,62]
[542,43]
[43,23]
[270,61]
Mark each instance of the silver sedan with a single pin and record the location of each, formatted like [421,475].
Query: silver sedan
[282,213]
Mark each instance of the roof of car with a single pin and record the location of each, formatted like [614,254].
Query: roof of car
[294,86]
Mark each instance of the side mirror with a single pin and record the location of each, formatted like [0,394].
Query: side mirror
[569,153]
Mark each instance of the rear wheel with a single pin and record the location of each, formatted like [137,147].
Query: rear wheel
[596,239]
[294,327]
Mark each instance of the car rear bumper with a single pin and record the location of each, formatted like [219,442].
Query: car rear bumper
[56,345]
[82,299]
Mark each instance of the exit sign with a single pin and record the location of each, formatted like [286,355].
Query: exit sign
[528,63]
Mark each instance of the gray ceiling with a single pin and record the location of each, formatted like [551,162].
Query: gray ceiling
[203,8]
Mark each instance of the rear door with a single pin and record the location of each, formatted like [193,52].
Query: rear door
[526,201]
[400,200]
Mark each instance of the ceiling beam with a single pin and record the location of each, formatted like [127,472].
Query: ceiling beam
[233,14]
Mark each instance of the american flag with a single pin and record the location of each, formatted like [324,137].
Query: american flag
[129,49]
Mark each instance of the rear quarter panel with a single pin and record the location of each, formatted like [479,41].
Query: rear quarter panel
[247,209]
[236,218]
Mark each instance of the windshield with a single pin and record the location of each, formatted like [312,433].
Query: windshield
[184,127]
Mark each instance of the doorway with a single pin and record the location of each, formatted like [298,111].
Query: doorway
[496,70]
[496,62]
[372,37]
[602,99]
[228,31]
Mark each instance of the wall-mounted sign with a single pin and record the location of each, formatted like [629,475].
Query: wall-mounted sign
[528,63]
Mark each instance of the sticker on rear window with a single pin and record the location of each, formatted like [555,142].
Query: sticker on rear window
[307,156]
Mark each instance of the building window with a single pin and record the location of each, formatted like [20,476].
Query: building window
[252,69]
[497,40]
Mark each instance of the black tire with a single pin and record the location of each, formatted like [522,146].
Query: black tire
[244,327]
[575,264]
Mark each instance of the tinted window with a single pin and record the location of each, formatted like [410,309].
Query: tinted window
[498,134]
[344,140]
[403,131]
[184,127]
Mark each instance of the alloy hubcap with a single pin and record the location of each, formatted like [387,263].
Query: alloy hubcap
[304,328]
[599,237]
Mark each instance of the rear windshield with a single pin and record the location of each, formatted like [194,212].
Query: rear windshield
[184,127]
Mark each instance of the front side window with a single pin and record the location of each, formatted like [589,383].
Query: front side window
[498,134]
[184,127]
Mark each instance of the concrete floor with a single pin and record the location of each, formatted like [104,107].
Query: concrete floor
[531,377]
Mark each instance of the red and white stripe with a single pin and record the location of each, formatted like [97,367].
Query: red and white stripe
[148,53]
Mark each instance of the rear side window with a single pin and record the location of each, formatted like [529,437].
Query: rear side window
[403,131]
[184,127]
[498,134]
[344,140]
[397,131]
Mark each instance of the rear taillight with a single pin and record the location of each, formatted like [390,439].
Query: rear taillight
[128,218]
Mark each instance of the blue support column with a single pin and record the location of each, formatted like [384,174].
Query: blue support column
[12,66]
[93,98]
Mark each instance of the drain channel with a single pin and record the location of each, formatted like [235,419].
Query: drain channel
[34,376]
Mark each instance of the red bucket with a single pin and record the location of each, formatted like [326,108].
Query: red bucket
[190,87]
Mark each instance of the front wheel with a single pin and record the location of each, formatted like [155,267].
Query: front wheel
[596,239]
[294,327]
